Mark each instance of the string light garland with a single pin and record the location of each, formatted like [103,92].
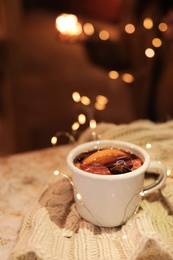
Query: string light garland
[78,196]
[88,29]
[102,33]
[91,29]
[85,102]
[100,104]
[60,134]
[124,226]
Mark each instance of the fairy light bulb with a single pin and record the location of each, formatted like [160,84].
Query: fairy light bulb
[54,140]
[127,78]
[113,74]
[62,136]
[142,194]
[168,172]
[92,124]
[76,96]
[88,29]
[124,236]
[85,100]
[148,146]
[129,28]
[75,126]
[104,35]
[79,197]
[99,107]
[56,172]
[102,100]
[156,42]
[81,119]
[148,23]
[150,53]
[163,27]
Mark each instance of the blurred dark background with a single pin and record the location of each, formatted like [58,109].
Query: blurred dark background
[40,69]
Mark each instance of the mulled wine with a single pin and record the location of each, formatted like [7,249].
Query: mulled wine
[109,161]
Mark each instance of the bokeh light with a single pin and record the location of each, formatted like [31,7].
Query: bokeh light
[149,52]
[101,102]
[102,99]
[68,24]
[81,119]
[75,126]
[104,35]
[88,29]
[76,96]
[148,145]
[127,77]
[157,42]
[148,23]
[92,124]
[129,28]
[113,74]
[54,140]
[163,27]
[85,100]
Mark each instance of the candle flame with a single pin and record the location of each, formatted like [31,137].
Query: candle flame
[68,24]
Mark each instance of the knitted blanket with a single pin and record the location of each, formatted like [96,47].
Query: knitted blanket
[52,229]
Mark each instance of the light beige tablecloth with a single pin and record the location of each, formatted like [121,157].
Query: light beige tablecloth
[52,228]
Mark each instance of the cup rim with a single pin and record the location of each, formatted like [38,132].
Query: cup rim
[139,151]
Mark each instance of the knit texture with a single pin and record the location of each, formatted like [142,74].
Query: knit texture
[52,229]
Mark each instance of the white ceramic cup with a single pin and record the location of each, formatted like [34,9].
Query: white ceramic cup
[110,200]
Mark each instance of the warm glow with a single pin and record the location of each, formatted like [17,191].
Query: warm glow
[104,35]
[157,42]
[81,119]
[75,126]
[56,172]
[148,146]
[148,23]
[142,194]
[127,77]
[163,27]
[124,236]
[113,74]
[76,96]
[92,124]
[68,24]
[168,172]
[99,106]
[102,100]
[85,100]
[129,28]
[88,29]
[149,53]
[54,140]
[78,196]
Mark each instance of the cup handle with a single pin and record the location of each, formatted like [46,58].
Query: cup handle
[158,183]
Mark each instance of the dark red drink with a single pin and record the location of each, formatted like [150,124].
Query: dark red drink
[107,161]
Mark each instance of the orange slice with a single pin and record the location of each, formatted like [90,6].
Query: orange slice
[103,156]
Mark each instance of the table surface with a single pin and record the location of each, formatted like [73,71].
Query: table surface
[22,178]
